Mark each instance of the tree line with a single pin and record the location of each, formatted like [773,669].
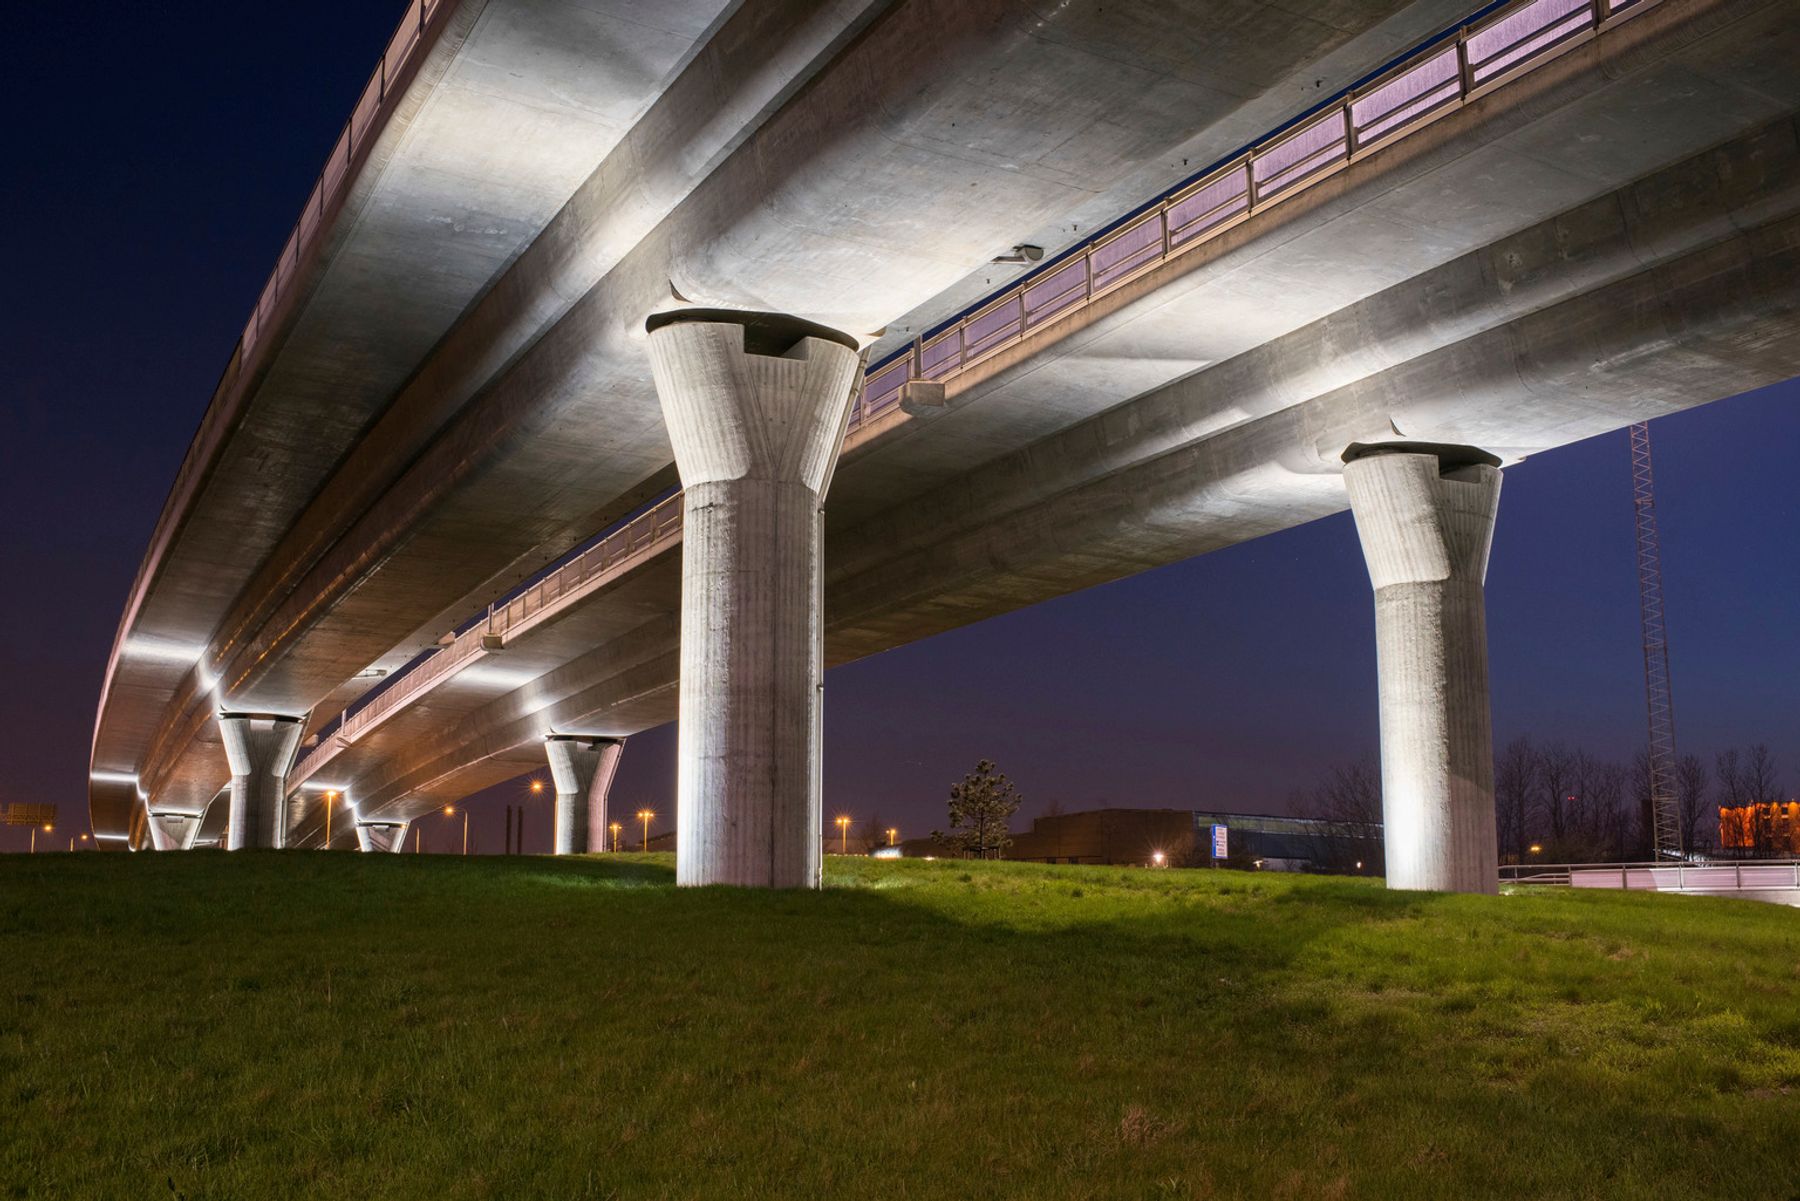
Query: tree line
[1554,803]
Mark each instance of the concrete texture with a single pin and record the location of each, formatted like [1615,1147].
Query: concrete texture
[1711,309]
[382,837]
[756,408]
[1152,436]
[471,509]
[259,749]
[1425,517]
[583,770]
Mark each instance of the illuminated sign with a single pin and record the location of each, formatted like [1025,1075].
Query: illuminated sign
[21,814]
[1218,843]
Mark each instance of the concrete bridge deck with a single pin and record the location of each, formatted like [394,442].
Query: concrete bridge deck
[1462,281]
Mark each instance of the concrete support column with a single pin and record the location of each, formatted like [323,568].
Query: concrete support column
[260,748]
[756,405]
[173,831]
[583,770]
[381,836]
[1425,516]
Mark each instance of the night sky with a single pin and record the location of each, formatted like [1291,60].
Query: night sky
[156,159]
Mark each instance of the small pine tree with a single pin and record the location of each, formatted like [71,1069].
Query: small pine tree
[979,809]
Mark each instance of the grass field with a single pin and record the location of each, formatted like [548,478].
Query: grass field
[308,1025]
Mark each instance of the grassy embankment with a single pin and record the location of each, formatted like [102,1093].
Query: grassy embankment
[304,1025]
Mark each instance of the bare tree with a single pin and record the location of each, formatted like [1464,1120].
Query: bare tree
[1762,788]
[1731,778]
[1515,785]
[1761,779]
[1556,774]
[873,834]
[1691,784]
[1349,797]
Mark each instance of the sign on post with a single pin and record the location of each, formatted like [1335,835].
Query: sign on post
[1219,843]
[21,813]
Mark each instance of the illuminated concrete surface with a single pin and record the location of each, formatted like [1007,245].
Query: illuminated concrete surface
[582,770]
[1608,238]
[258,751]
[756,407]
[1425,516]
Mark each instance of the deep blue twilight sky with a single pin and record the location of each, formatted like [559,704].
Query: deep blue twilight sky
[156,157]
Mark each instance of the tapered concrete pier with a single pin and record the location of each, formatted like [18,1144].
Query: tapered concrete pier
[583,770]
[1425,516]
[260,749]
[173,831]
[756,406]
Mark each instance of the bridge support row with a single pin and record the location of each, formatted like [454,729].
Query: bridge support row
[756,407]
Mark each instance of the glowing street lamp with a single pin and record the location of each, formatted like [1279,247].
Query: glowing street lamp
[450,811]
[893,834]
[1537,848]
[47,829]
[843,825]
[537,786]
[330,804]
[645,816]
[1160,859]
[615,827]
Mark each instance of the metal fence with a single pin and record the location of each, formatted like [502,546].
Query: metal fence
[649,532]
[366,118]
[1736,876]
[1431,81]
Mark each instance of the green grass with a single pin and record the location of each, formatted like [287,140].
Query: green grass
[306,1025]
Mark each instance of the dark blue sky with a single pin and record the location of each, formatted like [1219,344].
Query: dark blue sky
[156,158]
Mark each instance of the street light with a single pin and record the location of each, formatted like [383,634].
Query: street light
[1537,848]
[843,825]
[450,811]
[645,815]
[330,804]
[47,829]
[892,835]
[537,786]
[1158,858]
[615,828]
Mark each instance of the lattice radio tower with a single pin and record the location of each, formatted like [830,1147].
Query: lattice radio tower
[1665,814]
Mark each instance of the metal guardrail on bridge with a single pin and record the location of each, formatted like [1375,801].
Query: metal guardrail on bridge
[1747,875]
[650,532]
[365,121]
[1499,44]
[1428,82]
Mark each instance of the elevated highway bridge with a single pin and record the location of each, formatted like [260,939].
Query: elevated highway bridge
[433,526]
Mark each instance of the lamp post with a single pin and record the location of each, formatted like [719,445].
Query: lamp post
[843,825]
[34,830]
[644,815]
[330,804]
[450,811]
[893,834]
[615,827]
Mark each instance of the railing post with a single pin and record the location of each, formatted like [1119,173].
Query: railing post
[1349,130]
[1464,73]
[1162,213]
[1737,875]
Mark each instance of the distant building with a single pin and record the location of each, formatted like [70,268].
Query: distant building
[1768,829]
[1184,838]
